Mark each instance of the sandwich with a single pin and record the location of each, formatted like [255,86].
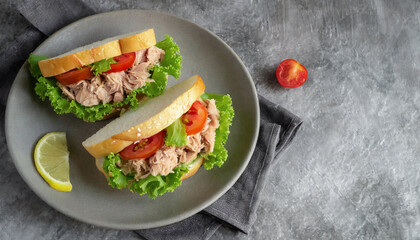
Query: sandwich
[150,150]
[105,78]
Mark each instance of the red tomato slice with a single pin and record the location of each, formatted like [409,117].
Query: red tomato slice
[144,148]
[291,74]
[74,76]
[122,62]
[195,118]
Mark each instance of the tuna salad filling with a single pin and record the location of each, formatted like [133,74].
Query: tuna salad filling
[185,147]
[114,87]
[167,158]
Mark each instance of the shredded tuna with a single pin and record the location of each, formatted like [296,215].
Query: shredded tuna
[140,57]
[194,143]
[139,74]
[208,134]
[167,158]
[190,151]
[85,92]
[182,155]
[155,55]
[163,161]
[137,166]
[113,87]
[66,91]
[118,97]
[114,81]
[212,109]
[185,156]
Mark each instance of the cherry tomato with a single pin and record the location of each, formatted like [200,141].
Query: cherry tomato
[122,62]
[195,118]
[74,76]
[291,74]
[144,148]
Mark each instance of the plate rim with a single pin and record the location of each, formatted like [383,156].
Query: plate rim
[158,223]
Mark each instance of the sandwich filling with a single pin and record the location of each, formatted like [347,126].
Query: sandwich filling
[99,93]
[167,158]
[115,86]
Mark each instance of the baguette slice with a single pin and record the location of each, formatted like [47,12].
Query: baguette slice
[107,48]
[152,116]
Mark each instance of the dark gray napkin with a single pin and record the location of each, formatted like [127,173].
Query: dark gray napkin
[238,206]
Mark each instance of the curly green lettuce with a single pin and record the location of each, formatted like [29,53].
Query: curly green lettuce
[46,88]
[101,66]
[176,135]
[220,154]
[154,186]
[116,178]
[33,65]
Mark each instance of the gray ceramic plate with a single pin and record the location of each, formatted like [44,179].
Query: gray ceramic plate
[92,200]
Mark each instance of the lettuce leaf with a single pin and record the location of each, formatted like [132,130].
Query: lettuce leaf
[101,66]
[116,177]
[33,64]
[46,88]
[154,186]
[220,154]
[176,135]
[172,60]
[171,65]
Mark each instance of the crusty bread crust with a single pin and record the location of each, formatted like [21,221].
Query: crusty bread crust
[166,117]
[99,162]
[55,66]
[108,146]
[151,126]
[193,168]
[139,41]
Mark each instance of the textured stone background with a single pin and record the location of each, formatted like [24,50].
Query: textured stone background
[353,171]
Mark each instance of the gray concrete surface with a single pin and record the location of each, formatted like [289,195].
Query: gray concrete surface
[353,171]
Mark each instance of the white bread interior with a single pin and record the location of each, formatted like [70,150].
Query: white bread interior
[97,51]
[152,116]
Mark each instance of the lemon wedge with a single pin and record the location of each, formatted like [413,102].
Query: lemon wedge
[52,160]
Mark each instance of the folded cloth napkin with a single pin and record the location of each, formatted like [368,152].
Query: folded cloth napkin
[237,208]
